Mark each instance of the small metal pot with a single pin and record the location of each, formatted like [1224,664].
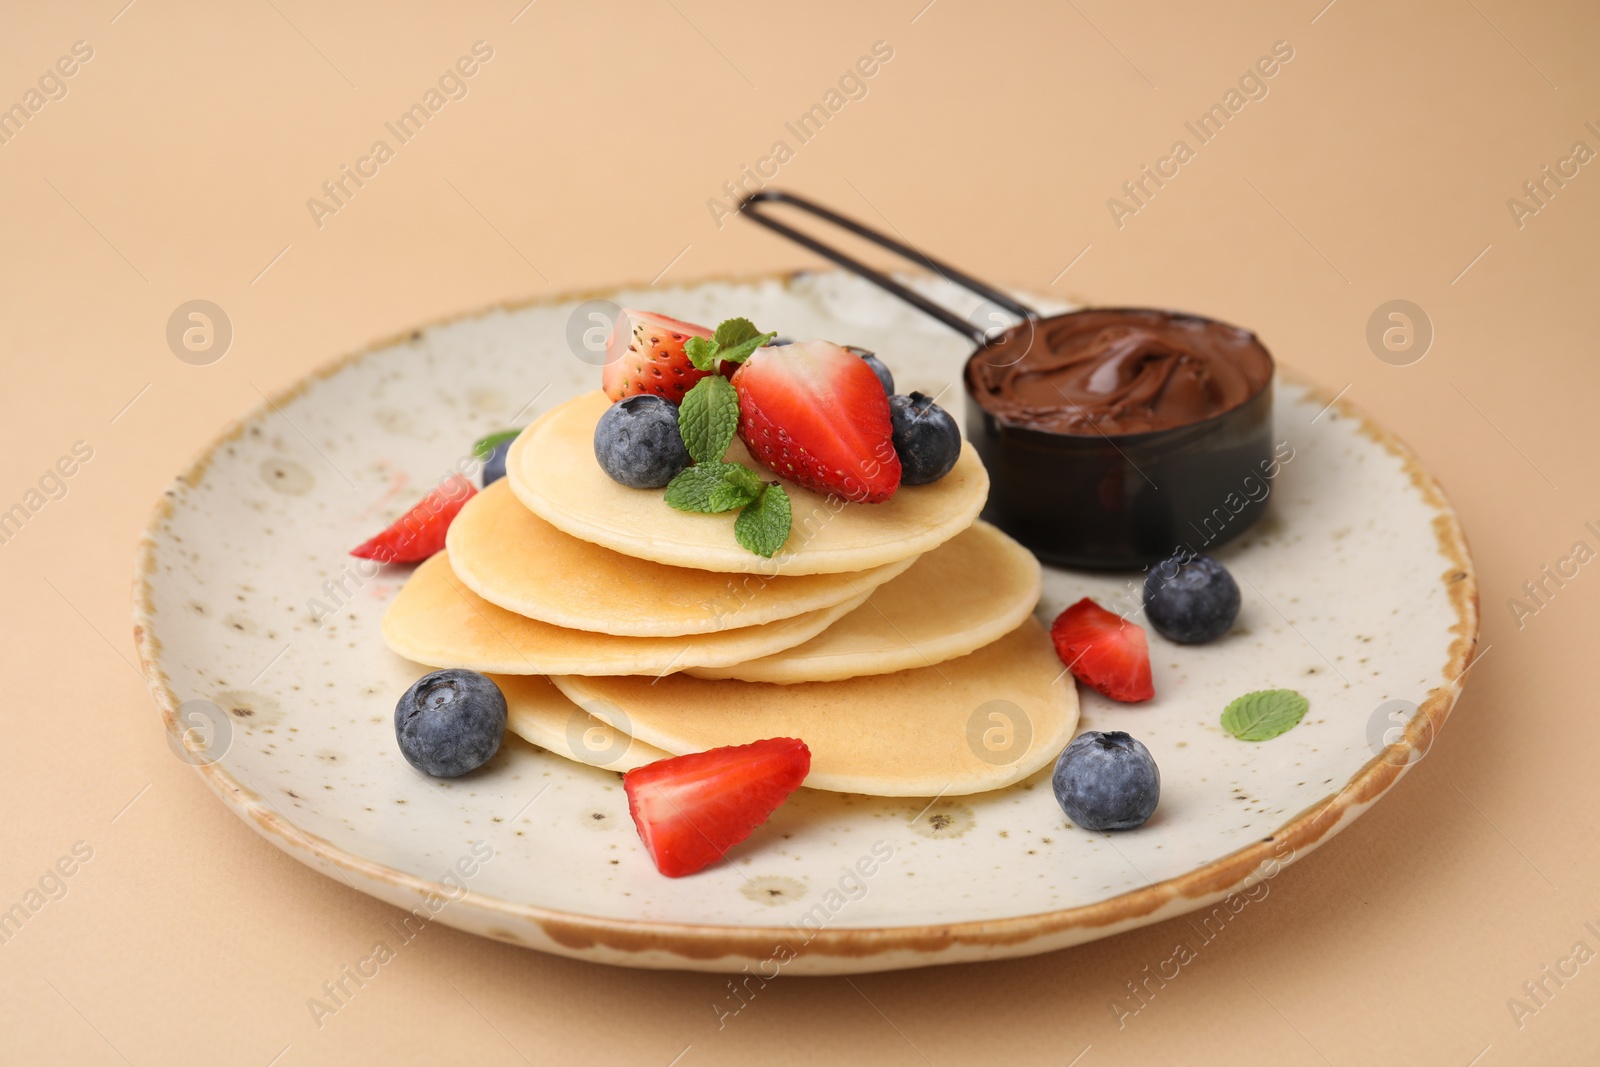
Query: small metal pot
[1123,500]
[1096,500]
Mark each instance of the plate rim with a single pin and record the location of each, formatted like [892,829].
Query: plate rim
[578,933]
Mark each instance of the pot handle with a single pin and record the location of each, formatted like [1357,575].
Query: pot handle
[749,207]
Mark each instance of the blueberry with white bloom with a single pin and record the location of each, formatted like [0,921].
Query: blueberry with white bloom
[450,722]
[926,438]
[1106,781]
[1190,599]
[637,442]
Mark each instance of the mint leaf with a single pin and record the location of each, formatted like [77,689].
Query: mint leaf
[708,418]
[691,488]
[736,489]
[1263,715]
[763,525]
[712,488]
[485,445]
[702,352]
[741,351]
[732,332]
[733,340]
[742,478]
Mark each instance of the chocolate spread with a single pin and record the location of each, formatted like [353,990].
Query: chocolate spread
[1117,371]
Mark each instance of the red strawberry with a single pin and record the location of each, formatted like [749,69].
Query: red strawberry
[419,533]
[644,354]
[1104,651]
[818,416]
[690,810]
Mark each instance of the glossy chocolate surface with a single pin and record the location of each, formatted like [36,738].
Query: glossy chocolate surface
[1081,493]
[1117,371]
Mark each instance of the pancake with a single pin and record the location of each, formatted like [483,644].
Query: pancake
[973,589]
[438,621]
[539,713]
[966,726]
[511,557]
[552,470]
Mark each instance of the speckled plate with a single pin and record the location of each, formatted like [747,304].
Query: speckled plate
[260,639]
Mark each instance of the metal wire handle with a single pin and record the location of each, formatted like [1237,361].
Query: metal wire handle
[749,208]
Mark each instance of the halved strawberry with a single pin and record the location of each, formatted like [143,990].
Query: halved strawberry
[419,533]
[1104,651]
[818,416]
[690,810]
[644,354]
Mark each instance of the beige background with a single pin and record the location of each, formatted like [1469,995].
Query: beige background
[178,166]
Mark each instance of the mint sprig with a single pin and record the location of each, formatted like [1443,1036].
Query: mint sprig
[763,525]
[733,340]
[708,419]
[1264,714]
[713,488]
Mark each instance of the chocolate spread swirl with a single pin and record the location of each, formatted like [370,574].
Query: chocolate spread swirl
[1117,371]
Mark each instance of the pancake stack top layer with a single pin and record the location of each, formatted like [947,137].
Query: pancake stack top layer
[553,471]
[895,639]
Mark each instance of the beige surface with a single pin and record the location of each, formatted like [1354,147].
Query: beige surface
[511,557]
[435,620]
[1378,167]
[971,590]
[552,470]
[910,734]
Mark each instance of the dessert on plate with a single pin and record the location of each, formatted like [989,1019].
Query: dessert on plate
[746,565]
[688,605]
[641,584]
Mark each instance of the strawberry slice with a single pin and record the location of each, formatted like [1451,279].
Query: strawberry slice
[644,354]
[419,533]
[1104,651]
[818,416]
[690,810]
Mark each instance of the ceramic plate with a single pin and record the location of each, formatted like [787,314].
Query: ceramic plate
[260,638]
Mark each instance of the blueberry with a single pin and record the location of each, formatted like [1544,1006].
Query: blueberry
[1190,599]
[1106,781]
[877,367]
[494,466]
[776,341]
[925,438]
[637,442]
[450,722]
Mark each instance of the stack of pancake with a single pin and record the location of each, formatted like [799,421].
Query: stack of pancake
[897,639]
